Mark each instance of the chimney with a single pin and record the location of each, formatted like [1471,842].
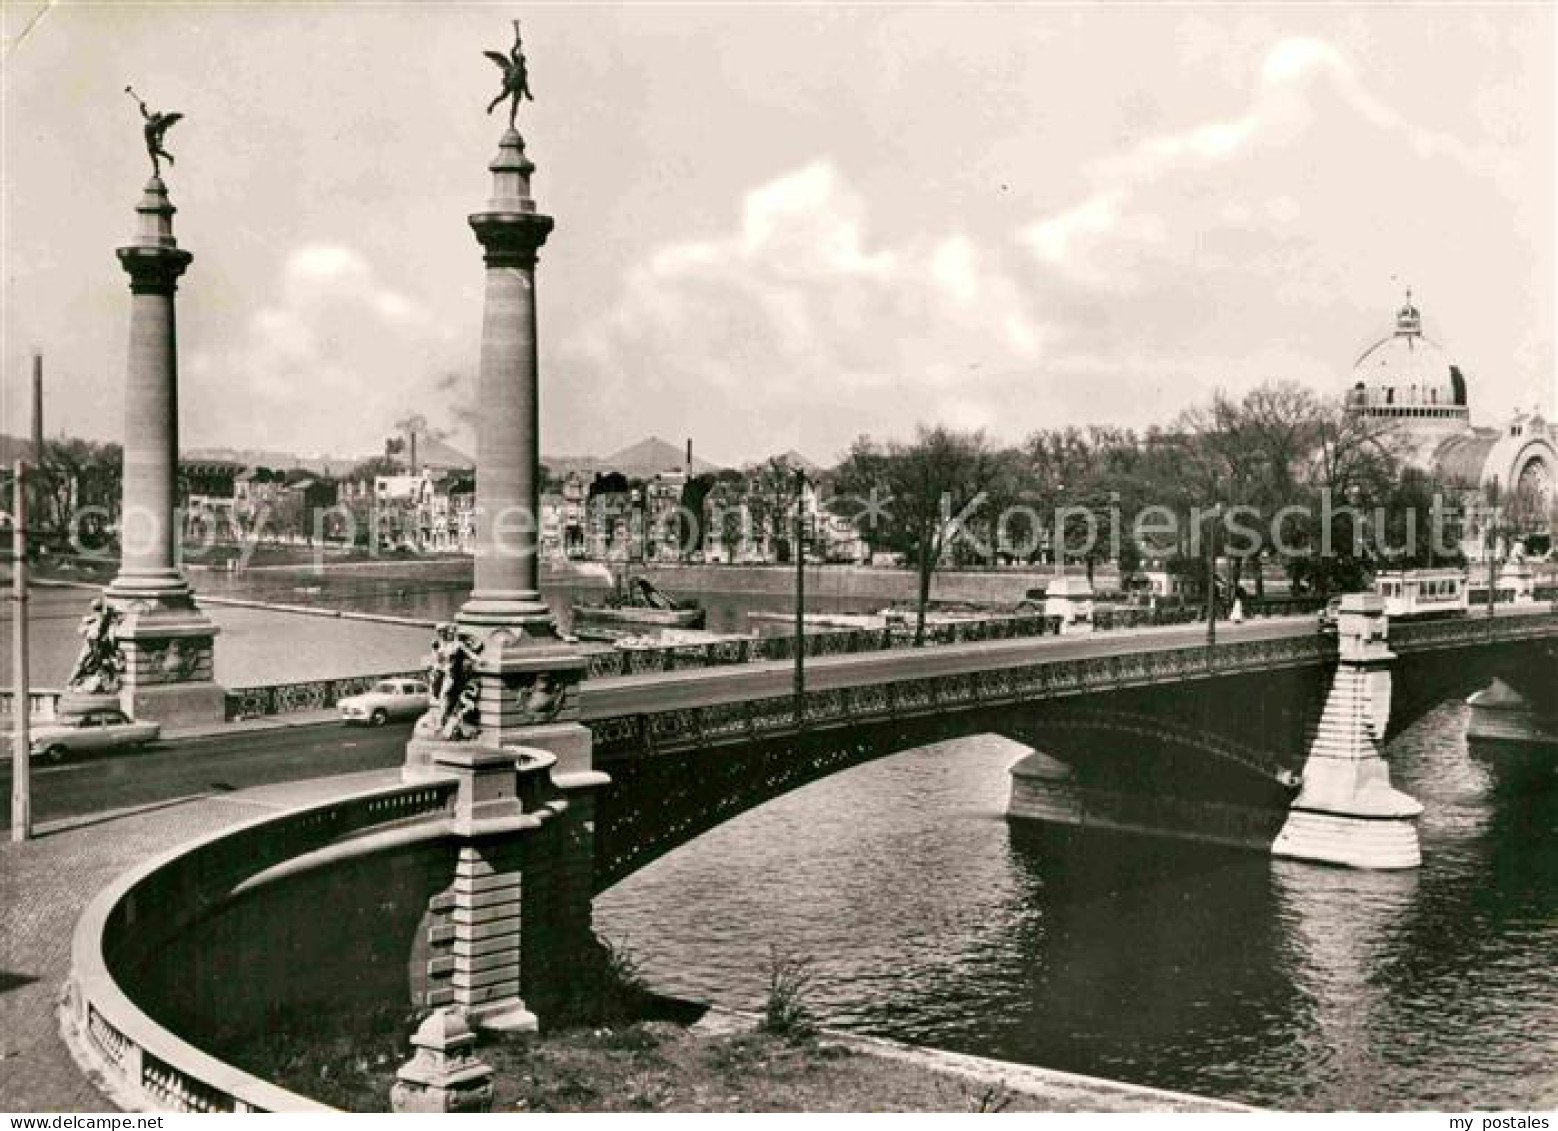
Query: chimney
[413,451]
[37,409]
[689,457]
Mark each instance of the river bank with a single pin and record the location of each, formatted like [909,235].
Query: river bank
[713,1061]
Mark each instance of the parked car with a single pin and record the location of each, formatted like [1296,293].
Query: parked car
[388,699]
[101,729]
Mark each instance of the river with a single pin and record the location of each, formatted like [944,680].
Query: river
[926,917]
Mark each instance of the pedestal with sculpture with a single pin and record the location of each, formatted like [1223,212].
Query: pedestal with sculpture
[166,641]
[512,929]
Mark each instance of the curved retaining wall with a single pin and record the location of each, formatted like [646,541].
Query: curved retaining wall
[141,1062]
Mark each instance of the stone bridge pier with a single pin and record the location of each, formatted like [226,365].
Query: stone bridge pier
[1347,812]
[1292,767]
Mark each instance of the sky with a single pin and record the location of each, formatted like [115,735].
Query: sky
[783,226]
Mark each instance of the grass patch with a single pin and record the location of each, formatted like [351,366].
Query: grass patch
[787,1012]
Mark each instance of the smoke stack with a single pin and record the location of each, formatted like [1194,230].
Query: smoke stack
[413,451]
[689,457]
[37,410]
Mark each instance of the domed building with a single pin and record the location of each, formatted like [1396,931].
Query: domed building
[1409,380]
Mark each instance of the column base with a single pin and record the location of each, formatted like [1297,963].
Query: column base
[1349,840]
[161,588]
[169,658]
[523,612]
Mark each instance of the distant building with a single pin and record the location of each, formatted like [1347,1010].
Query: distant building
[208,490]
[574,518]
[662,508]
[1409,380]
[433,512]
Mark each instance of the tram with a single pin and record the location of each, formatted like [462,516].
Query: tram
[1423,594]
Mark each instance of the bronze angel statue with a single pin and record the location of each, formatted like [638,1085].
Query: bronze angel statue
[157,126]
[516,77]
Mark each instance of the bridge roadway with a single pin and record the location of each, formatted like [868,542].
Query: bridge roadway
[703,687]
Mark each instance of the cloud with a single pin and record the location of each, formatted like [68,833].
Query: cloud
[334,357]
[795,316]
[1139,197]
[1219,253]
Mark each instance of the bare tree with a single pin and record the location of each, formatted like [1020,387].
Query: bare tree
[926,491]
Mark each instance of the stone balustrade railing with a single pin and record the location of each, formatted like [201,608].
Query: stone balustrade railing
[41,702]
[142,1064]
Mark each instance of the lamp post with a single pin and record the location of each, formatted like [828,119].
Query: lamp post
[1211,577]
[1492,547]
[800,599]
[21,754]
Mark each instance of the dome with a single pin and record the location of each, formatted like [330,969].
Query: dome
[1407,374]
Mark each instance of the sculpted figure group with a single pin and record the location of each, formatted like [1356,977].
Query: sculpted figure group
[100,663]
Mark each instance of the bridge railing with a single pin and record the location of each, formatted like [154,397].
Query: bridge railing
[144,1065]
[624,722]
[818,642]
[623,661]
[304,695]
[1428,635]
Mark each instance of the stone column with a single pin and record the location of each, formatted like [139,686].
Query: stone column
[508,455]
[167,641]
[1347,812]
[508,714]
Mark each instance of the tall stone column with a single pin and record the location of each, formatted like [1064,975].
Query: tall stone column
[508,453]
[1347,811]
[166,640]
[505,717]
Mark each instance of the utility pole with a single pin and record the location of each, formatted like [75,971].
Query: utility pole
[37,437]
[1211,578]
[21,752]
[1492,541]
[800,600]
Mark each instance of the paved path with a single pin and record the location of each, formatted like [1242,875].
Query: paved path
[44,886]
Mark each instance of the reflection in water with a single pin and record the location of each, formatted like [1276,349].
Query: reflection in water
[929,918]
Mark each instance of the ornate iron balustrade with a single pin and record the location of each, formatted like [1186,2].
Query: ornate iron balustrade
[820,642]
[608,663]
[1459,632]
[307,695]
[690,727]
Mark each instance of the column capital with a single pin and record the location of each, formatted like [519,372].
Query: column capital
[153,270]
[511,239]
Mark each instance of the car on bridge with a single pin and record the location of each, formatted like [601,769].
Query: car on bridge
[388,699]
[90,732]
